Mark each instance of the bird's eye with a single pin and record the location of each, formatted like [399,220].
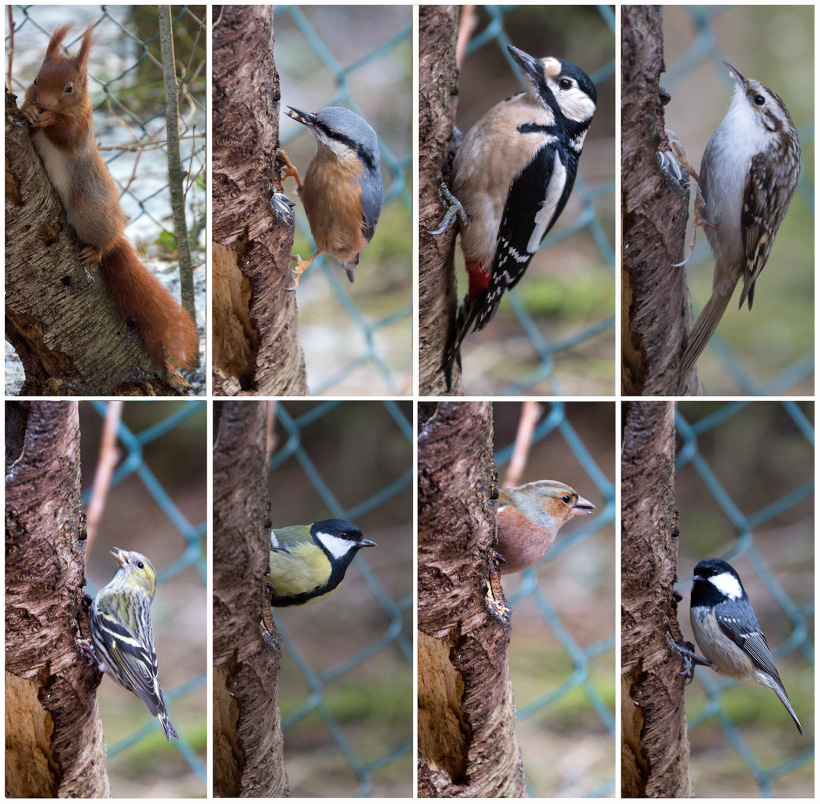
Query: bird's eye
[565,83]
[760,100]
[566,498]
[35,82]
[140,565]
[69,89]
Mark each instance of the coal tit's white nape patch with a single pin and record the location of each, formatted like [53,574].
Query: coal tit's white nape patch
[728,584]
[336,546]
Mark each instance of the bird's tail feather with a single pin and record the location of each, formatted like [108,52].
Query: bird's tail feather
[703,330]
[170,731]
[784,699]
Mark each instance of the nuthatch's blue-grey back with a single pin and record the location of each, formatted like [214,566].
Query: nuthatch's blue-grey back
[342,192]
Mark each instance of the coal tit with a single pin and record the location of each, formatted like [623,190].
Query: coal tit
[728,632]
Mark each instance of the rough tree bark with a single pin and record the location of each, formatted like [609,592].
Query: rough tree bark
[438,88]
[255,347]
[60,319]
[247,723]
[655,744]
[54,736]
[656,308]
[466,731]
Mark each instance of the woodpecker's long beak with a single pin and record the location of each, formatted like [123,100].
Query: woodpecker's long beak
[583,507]
[305,118]
[532,67]
[737,76]
[121,556]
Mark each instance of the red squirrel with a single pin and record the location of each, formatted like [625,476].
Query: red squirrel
[58,107]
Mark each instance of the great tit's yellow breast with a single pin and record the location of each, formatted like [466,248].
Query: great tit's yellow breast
[332,197]
[303,568]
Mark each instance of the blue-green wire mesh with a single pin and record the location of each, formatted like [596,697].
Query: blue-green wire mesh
[567,694]
[343,657]
[138,494]
[769,350]
[554,336]
[745,491]
[359,57]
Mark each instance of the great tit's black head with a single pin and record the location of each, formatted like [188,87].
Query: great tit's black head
[715,581]
[340,539]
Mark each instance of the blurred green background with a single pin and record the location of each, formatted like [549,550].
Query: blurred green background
[360,57]
[141,764]
[775,45]
[745,494]
[351,460]
[565,607]
[569,286]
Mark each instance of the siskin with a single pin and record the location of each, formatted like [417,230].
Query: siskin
[121,633]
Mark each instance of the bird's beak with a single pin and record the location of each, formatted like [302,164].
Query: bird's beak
[737,76]
[583,507]
[366,543]
[121,556]
[305,118]
[531,66]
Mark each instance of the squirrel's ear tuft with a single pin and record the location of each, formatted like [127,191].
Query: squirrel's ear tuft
[81,59]
[53,49]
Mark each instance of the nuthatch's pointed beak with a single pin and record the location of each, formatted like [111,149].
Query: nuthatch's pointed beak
[121,556]
[583,506]
[736,74]
[531,66]
[305,118]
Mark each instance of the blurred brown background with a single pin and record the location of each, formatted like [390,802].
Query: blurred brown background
[351,460]
[569,285]
[562,653]
[140,761]
[759,455]
[775,45]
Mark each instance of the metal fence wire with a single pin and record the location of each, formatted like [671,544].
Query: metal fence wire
[568,690]
[573,355]
[768,351]
[126,86]
[359,58]
[345,684]
[760,520]
[151,487]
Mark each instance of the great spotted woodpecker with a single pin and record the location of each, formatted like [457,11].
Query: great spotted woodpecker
[512,177]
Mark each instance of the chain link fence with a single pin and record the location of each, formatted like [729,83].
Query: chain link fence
[554,333]
[156,505]
[346,680]
[761,520]
[126,87]
[359,57]
[562,652]
[770,350]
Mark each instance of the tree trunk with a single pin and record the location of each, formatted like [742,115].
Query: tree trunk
[655,747]
[656,309]
[60,319]
[438,88]
[247,723]
[467,743]
[54,736]
[255,349]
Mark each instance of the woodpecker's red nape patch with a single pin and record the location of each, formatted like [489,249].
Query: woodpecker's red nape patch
[479,278]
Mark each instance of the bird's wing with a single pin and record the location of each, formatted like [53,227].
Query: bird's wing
[372,199]
[744,630]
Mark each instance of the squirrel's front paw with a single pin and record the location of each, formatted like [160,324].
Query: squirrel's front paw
[44,119]
[30,111]
[91,255]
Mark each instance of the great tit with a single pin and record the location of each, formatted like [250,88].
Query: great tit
[529,518]
[728,632]
[307,562]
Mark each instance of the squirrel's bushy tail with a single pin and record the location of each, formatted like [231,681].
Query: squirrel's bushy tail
[157,315]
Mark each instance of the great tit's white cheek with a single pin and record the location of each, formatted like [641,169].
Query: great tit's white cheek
[336,546]
[728,584]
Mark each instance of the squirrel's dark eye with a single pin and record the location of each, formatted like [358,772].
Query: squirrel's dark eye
[760,100]
[565,83]
[35,82]
[140,565]
[69,89]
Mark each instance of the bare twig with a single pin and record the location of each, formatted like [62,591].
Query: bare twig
[271,435]
[530,414]
[109,455]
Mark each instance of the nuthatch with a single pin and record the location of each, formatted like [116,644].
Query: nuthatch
[512,177]
[342,192]
[529,518]
[308,562]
